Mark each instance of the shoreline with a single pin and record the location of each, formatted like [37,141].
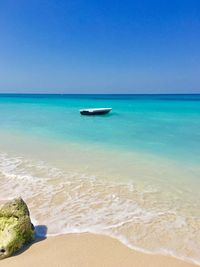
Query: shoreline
[85,249]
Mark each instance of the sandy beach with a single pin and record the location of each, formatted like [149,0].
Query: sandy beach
[85,250]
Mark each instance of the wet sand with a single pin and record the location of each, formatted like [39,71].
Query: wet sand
[85,250]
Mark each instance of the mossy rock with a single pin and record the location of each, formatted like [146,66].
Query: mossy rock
[16,228]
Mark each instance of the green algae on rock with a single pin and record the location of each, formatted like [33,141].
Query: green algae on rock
[16,228]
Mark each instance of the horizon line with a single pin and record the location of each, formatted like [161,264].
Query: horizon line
[29,93]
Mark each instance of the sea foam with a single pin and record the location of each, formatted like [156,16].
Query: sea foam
[74,202]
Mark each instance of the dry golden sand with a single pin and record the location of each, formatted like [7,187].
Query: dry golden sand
[86,250]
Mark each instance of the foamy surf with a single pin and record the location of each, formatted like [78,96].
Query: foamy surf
[75,202]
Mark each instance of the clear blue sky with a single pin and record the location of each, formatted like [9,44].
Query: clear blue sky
[100,46]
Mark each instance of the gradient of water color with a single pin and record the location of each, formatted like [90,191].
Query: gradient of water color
[133,174]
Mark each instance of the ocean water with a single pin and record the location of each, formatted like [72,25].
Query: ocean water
[132,174]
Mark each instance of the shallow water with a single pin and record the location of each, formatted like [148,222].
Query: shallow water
[132,174]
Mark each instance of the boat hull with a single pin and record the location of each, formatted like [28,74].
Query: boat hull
[92,112]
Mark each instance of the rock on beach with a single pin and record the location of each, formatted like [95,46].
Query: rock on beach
[16,229]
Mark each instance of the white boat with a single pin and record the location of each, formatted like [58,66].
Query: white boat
[95,111]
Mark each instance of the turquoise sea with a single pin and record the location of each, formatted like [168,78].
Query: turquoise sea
[132,174]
